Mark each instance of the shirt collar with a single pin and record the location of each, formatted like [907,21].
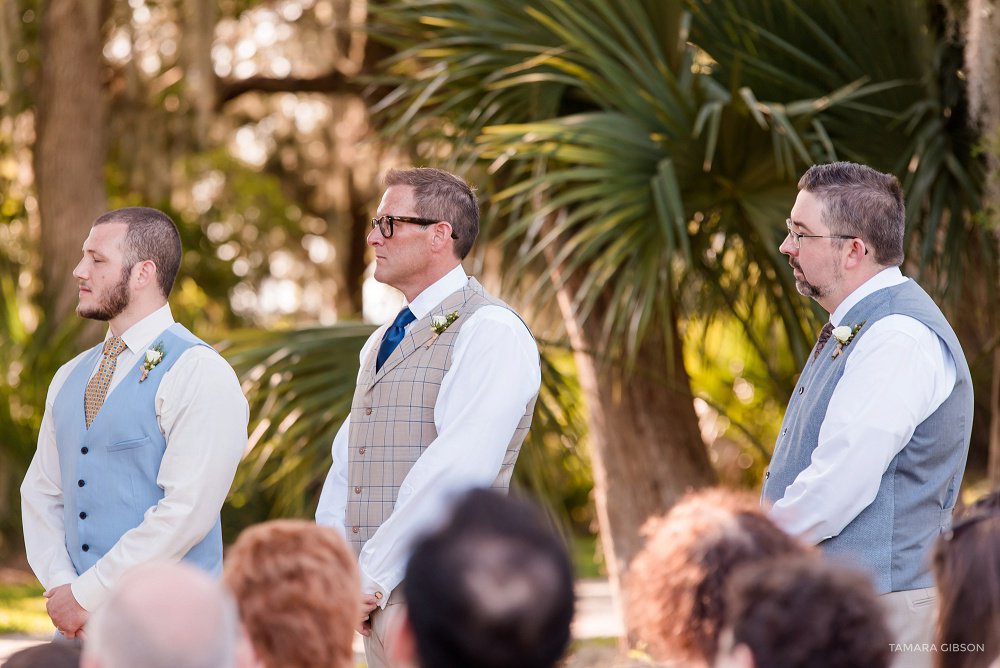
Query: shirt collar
[884,279]
[140,336]
[454,280]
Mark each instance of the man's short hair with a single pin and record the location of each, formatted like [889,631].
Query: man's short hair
[165,616]
[493,588]
[861,202]
[806,613]
[441,195]
[677,583]
[299,593]
[151,235]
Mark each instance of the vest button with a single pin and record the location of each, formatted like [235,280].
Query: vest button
[83,516]
[361,450]
[368,411]
[356,529]
[84,450]
[85,548]
[801,390]
[80,483]
[784,431]
[357,490]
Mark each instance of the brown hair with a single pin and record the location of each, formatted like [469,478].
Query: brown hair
[861,202]
[441,195]
[796,611]
[299,593]
[677,583]
[150,235]
[967,571]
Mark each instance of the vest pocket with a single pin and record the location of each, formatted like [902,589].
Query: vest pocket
[130,444]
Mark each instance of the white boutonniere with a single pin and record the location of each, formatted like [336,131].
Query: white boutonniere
[844,335]
[153,357]
[439,323]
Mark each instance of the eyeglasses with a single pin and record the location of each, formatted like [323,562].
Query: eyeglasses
[797,238]
[385,224]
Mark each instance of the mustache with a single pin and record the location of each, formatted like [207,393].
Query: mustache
[794,263]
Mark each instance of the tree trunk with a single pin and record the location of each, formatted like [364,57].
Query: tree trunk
[646,448]
[70,149]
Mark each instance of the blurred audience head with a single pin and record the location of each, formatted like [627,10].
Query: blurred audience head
[967,572]
[164,616]
[492,588]
[799,612]
[299,593]
[58,654]
[676,585]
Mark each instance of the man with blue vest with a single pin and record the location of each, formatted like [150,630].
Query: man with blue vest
[444,396]
[870,455]
[141,434]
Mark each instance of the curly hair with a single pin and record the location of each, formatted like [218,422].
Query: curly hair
[299,593]
[800,613]
[676,585]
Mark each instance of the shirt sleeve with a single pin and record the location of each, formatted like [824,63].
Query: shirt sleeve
[203,416]
[494,373]
[42,501]
[899,374]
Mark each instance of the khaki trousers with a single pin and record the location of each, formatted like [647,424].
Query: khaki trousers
[381,619]
[910,616]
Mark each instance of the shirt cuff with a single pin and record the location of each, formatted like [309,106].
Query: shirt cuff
[88,591]
[370,586]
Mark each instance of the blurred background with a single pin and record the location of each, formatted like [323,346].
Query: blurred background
[635,159]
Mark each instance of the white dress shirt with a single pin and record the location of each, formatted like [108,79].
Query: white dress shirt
[494,373]
[898,374]
[203,415]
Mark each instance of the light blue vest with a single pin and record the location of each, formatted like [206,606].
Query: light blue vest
[109,471]
[890,538]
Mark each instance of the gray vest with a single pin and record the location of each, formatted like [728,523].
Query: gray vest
[891,537]
[392,414]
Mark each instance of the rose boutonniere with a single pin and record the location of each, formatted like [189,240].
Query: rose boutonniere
[153,357]
[439,323]
[844,335]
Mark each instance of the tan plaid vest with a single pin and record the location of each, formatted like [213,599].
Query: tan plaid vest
[392,414]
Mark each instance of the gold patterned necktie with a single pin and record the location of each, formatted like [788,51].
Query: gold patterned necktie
[97,389]
[824,336]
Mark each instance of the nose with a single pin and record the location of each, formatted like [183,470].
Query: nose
[79,271]
[788,246]
[375,237]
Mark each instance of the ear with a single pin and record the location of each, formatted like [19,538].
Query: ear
[144,274]
[400,644]
[857,252]
[442,235]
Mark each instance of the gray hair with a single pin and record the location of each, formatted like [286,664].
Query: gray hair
[861,202]
[442,196]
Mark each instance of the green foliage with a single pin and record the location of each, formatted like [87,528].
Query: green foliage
[22,609]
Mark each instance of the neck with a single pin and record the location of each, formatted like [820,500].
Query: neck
[852,281]
[133,313]
[411,292]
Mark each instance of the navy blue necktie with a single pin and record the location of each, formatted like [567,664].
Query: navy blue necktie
[393,336]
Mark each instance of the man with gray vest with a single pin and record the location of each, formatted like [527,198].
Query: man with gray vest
[871,452]
[444,396]
[141,434]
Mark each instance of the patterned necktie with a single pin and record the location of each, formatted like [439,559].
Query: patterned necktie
[393,336]
[97,389]
[824,336]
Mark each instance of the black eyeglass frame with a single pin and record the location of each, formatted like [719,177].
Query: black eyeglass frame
[382,221]
[797,238]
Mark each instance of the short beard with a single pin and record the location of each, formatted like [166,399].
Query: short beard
[805,288]
[113,303]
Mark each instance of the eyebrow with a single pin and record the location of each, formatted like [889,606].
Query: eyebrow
[802,226]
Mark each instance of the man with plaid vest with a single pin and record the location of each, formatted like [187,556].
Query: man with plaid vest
[141,434]
[445,392]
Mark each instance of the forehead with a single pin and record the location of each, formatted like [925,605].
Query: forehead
[398,201]
[807,213]
[105,238]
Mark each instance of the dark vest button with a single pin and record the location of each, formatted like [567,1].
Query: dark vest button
[83,516]
[361,450]
[801,390]
[368,411]
[357,490]
[84,450]
[80,483]
[355,529]
[85,548]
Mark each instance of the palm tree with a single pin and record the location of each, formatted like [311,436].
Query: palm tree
[638,182]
